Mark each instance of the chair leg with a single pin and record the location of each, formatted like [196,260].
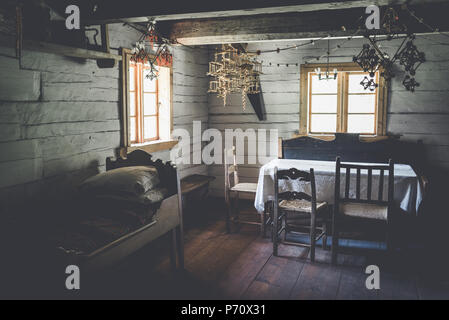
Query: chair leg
[237,209]
[274,232]
[389,239]
[180,246]
[228,213]
[334,249]
[269,217]
[264,221]
[262,224]
[285,225]
[312,236]
[173,245]
[324,239]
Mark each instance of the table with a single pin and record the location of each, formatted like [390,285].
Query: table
[407,189]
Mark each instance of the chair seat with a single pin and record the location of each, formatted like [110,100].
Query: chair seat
[245,187]
[300,205]
[364,210]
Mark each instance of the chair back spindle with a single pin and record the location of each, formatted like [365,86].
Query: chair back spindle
[357,192]
[381,184]
[358,169]
[368,189]
[347,184]
[230,169]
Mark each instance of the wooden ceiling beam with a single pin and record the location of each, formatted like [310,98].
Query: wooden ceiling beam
[134,11]
[287,26]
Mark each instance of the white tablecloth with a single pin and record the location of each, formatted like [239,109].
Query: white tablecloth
[407,189]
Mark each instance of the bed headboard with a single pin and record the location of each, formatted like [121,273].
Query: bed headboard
[166,170]
[350,148]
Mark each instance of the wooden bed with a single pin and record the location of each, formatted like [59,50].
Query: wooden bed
[168,218]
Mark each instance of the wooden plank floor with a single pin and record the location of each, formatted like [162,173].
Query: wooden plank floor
[240,265]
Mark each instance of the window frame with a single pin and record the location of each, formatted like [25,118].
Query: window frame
[149,145]
[305,93]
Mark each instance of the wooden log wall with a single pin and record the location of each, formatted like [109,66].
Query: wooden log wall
[422,115]
[59,117]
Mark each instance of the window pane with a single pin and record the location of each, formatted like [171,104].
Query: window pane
[148,84]
[149,104]
[354,85]
[323,123]
[361,124]
[323,86]
[132,103]
[326,103]
[132,128]
[365,103]
[149,127]
[131,79]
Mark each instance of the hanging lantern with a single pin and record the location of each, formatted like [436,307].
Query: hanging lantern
[142,54]
[327,75]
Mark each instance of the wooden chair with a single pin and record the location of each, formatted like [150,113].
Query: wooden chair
[235,189]
[290,206]
[353,210]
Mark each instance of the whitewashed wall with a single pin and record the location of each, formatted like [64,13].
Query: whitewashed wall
[59,117]
[189,100]
[423,115]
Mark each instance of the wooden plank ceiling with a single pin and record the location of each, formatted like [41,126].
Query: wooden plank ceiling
[198,23]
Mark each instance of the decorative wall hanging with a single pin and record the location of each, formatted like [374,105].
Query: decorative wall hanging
[367,59]
[409,56]
[369,84]
[371,58]
[234,72]
[144,51]
[410,83]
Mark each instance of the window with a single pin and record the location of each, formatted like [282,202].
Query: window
[341,105]
[147,107]
[144,104]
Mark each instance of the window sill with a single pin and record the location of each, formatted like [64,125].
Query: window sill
[153,146]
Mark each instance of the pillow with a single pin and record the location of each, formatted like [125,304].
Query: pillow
[153,196]
[143,206]
[135,180]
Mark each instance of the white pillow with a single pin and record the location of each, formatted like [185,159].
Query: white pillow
[134,180]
